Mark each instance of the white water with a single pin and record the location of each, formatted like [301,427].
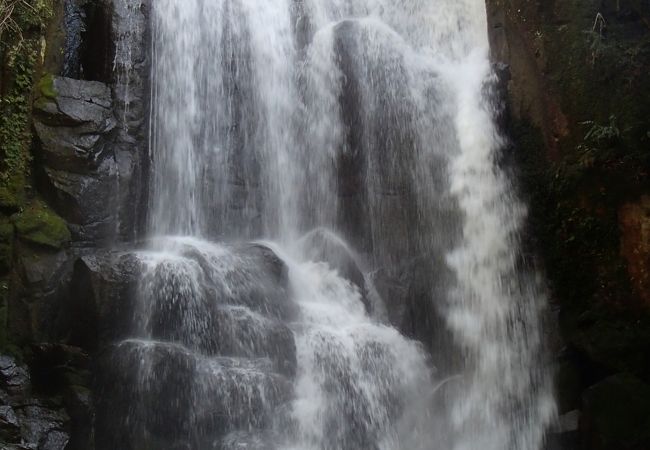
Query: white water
[272,118]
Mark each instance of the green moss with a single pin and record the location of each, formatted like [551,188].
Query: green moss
[21,51]
[40,225]
[46,87]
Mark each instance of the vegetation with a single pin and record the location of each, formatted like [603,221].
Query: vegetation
[39,225]
[23,25]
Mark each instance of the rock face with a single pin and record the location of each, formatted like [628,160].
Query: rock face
[27,421]
[210,325]
[73,119]
[89,150]
[577,108]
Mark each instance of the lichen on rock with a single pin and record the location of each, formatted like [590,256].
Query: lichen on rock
[39,225]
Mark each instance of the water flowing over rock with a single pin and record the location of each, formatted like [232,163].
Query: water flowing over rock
[323,193]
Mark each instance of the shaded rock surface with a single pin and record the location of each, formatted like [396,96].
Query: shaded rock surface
[577,109]
[73,119]
[27,421]
[617,414]
[88,131]
[211,353]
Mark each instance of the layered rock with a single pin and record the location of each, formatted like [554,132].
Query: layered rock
[73,120]
[192,341]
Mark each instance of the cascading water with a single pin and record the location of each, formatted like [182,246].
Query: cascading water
[307,125]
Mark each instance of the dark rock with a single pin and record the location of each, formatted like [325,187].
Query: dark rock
[187,396]
[128,34]
[13,377]
[70,124]
[102,298]
[43,427]
[86,201]
[74,26]
[6,246]
[414,293]
[9,425]
[73,121]
[616,414]
[27,421]
[44,283]
[55,440]
[56,367]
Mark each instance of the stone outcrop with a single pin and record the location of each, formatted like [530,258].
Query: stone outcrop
[73,120]
[84,192]
[224,331]
[577,108]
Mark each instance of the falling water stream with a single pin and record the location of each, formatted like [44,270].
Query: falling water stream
[301,150]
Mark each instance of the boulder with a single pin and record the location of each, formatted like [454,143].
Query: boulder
[616,414]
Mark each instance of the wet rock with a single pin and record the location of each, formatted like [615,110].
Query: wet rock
[100,309]
[74,26]
[323,245]
[44,282]
[86,201]
[247,440]
[414,293]
[565,435]
[14,378]
[187,396]
[126,61]
[27,421]
[73,120]
[9,425]
[43,427]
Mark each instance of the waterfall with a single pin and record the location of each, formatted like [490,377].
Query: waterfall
[333,259]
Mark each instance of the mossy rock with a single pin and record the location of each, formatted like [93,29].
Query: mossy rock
[40,225]
[46,87]
[9,201]
[12,192]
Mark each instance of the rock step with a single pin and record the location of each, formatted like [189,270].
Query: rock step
[159,391]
